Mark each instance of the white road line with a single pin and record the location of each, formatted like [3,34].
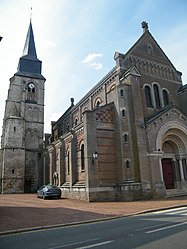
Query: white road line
[97,244]
[167,227]
[171,210]
[73,244]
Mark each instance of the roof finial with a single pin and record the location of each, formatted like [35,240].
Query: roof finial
[31,14]
[145,26]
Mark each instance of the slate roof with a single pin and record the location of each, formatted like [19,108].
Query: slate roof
[29,65]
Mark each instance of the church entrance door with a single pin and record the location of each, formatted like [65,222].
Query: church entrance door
[168,174]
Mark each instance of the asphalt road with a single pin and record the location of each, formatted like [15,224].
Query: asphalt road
[158,230]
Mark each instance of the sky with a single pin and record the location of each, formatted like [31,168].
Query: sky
[76,41]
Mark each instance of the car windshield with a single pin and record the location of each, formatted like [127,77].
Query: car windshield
[48,186]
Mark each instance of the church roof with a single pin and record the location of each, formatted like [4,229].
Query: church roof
[182,88]
[29,65]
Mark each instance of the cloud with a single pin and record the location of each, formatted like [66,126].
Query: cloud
[48,43]
[91,57]
[90,60]
[96,65]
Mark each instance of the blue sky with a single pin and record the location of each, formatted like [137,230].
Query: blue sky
[76,41]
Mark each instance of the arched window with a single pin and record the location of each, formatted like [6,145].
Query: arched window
[165,97]
[121,92]
[157,97]
[123,113]
[31,92]
[76,121]
[98,103]
[127,164]
[68,127]
[149,49]
[125,138]
[82,158]
[148,96]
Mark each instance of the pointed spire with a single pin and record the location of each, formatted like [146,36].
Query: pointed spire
[29,65]
[29,48]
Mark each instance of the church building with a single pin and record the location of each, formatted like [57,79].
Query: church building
[126,139]
[23,125]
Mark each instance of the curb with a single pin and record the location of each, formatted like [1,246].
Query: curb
[25,230]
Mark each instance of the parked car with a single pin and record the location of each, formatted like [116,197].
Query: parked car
[49,191]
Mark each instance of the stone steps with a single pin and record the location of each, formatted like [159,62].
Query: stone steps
[175,193]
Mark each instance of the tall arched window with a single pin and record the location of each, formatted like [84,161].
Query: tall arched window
[68,162]
[165,97]
[121,92]
[82,158]
[148,96]
[157,96]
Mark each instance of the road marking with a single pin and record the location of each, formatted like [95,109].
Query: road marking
[97,244]
[167,227]
[73,244]
[170,211]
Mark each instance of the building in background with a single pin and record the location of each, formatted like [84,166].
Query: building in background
[23,125]
[126,139]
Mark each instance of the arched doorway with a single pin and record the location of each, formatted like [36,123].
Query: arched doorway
[168,173]
[170,150]
[172,141]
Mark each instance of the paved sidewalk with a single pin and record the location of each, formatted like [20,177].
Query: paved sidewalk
[25,211]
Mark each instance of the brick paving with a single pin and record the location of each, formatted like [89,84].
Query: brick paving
[26,211]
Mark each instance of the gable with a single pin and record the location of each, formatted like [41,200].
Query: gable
[169,112]
[146,47]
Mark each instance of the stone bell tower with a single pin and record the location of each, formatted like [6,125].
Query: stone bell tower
[23,124]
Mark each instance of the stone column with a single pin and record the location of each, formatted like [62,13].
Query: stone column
[51,163]
[161,171]
[181,170]
[73,160]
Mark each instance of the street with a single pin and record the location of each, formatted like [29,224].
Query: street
[160,230]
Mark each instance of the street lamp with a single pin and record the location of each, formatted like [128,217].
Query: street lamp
[94,157]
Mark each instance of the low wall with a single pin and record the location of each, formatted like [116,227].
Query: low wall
[129,191]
